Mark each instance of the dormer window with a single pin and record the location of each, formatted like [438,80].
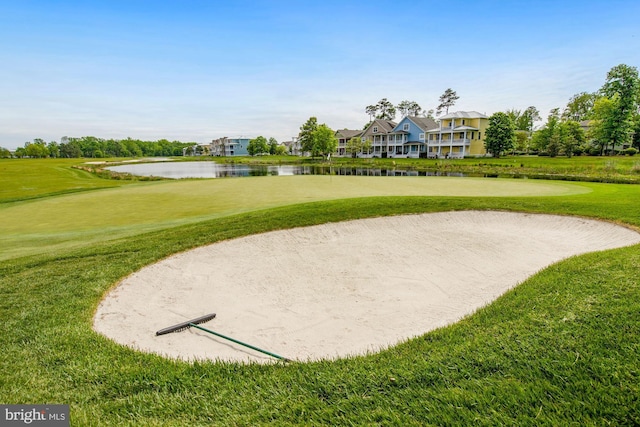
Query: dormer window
[375,129]
[405,127]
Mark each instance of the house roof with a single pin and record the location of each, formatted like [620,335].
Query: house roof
[348,133]
[425,123]
[384,126]
[463,115]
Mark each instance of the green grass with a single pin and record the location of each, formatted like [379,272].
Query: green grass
[34,178]
[68,221]
[560,349]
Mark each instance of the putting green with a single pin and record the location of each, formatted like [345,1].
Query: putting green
[82,218]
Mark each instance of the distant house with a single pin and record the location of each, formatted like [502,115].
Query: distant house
[408,138]
[400,140]
[458,135]
[229,147]
[343,136]
[377,133]
[293,147]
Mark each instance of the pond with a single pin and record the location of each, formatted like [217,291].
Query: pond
[178,170]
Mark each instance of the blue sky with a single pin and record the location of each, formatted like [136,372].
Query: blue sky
[198,70]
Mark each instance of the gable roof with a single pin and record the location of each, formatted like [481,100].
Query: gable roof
[423,123]
[384,126]
[348,133]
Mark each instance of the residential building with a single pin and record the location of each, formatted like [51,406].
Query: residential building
[229,147]
[343,136]
[459,134]
[400,140]
[293,147]
[377,133]
[408,137]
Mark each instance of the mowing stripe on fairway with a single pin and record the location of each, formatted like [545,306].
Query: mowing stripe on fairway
[64,221]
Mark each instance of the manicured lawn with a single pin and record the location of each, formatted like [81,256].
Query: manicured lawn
[72,220]
[33,178]
[562,348]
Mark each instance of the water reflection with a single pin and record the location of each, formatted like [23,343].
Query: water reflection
[177,170]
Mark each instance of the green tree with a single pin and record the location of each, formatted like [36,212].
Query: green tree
[521,141]
[325,140]
[409,108]
[273,146]
[354,146]
[636,131]
[317,139]
[604,123]
[371,110]
[5,153]
[366,146]
[622,87]
[447,99]
[36,149]
[385,110]
[580,107]
[527,119]
[524,120]
[514,115]
[500,134]
[305,137]
[558,137]
[573,137]
[258,146]
[70,149]
[54,149]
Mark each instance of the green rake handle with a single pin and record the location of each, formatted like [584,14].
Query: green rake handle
[241,343]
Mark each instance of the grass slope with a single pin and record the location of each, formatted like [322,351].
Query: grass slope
[34,178]
[562,348]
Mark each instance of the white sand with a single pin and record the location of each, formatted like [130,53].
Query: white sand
[340,289]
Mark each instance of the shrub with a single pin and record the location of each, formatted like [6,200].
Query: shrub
[631,151]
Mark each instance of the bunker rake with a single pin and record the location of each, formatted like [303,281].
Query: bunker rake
[194,324]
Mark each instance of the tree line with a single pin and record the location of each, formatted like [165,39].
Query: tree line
[606,121]
[385,109]
[93,147]
[261,145]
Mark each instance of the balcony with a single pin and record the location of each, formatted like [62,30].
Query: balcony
[448,142]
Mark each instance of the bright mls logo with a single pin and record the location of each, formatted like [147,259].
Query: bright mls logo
[37,415]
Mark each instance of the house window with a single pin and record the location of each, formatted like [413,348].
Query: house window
[363,139]
[479,135]
[421,137]
[405,127]
[375,129]
[462,122]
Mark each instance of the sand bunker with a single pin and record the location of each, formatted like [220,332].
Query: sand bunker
[344,288]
